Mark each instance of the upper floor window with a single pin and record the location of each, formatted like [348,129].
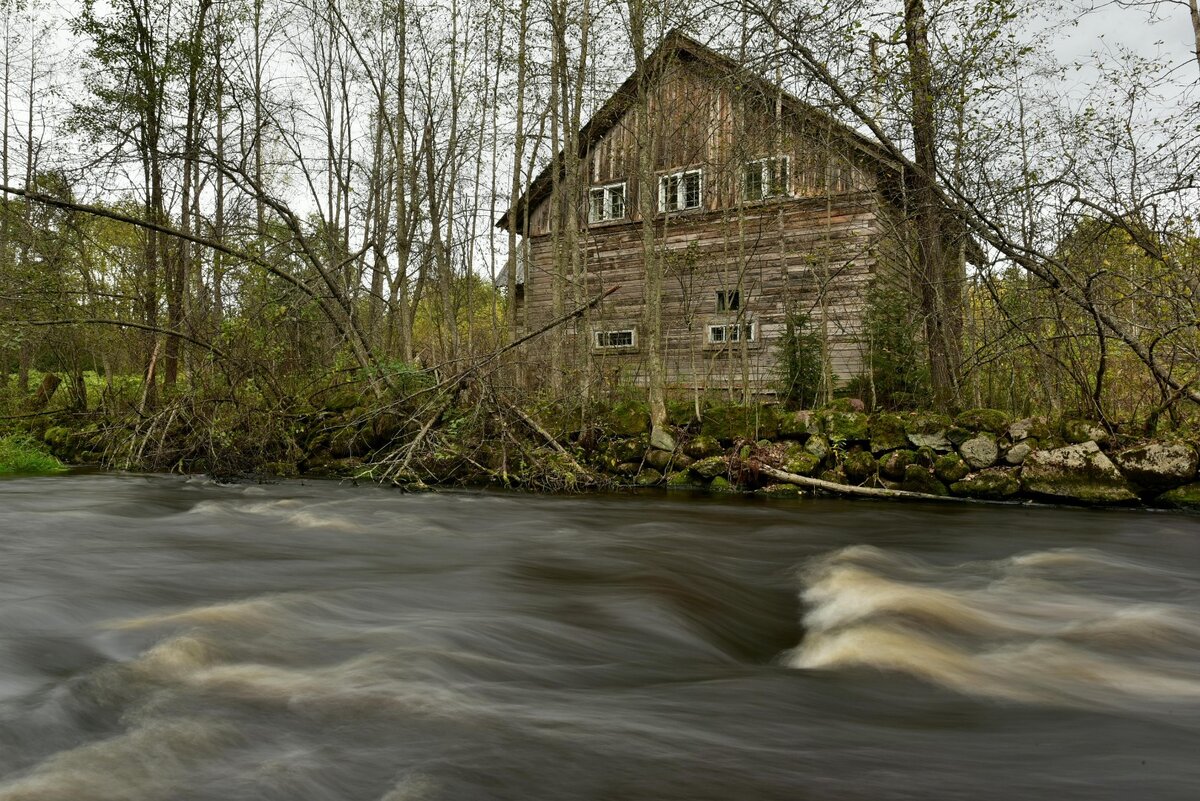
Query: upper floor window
[729,300]
[606,203]
[679,191]
[765,178]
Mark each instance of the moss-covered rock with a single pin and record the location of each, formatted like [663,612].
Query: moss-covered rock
[950,468]
[1019,452]
[1080,431]
[680,478]
[711,467]
[728,422]
[780,491]
[721,484]
[818,446]
[926,457]
[893,464]
[927,423]
[659,460]
[835,475]
[980,452]
[993,421]
[701,447]
[958,435]
[1076,473]
[1157,466]
[992,485]
[648,477]
[681,413]
[628,468]
[859,466]
[1185,497]
[919,479]
[845,427]
[1028,427]
[887,433]
[802,463]
[628,449]
[627,418]
[793,425]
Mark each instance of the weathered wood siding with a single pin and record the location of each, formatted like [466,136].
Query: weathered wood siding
[812,252]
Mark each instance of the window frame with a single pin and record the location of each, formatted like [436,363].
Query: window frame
[736,327]
[606,202]
[767,175]
[723,298]
[681,190]
[598,333]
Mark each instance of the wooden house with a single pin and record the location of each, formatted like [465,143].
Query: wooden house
[766,211]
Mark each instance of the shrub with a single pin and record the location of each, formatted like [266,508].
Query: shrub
[799,364]
[22,455]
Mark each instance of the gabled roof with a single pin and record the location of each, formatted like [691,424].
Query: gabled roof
[679,47]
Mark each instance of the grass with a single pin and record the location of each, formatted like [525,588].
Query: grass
[20,455]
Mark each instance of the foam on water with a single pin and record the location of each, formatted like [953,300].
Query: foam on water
[1027,628]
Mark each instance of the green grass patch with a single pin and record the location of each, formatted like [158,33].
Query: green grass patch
[25,456]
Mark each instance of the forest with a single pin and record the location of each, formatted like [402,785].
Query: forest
[230,228]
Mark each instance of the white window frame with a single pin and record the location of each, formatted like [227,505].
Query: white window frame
[606,214]
[597,337]
[680,191]
[766,166]
[735,328]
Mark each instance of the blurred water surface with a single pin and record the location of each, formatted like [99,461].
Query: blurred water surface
[169,638]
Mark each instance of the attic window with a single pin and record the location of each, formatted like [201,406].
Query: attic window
[679,191]
[625,338]
[765,178]
[729,300]
[730,332]
[606,203]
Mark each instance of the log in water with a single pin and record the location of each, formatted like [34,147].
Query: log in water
[165,638]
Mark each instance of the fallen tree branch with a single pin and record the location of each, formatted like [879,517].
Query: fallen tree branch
[846,489]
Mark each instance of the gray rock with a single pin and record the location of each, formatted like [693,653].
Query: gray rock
[657,459]
[979,452]
[701,447]
[711,467]
[1079,473]
[1159,465]
[1081,431]
[1018,453]
[937,441]
[818,446]
[661,439]
[992,485]
[1028,427]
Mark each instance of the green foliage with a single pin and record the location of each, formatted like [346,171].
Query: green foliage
[799,363]
[896,355]
[24,456]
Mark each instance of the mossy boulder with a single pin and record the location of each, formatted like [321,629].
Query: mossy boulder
[927,457]
[648,477]
[818,446]
[1078,432]
[980,451]
[780,491]
[1028,427]
[859,466]
[928,430]
[628,449]
[958,435]
[1078,473]
[1157,466]
[887,433]
[702,446]
[628,468]
[681,413]
[1185,497]
[793,425]
[710,468]
[990,485]
[841,426]
[1019,452]
[993,421]
[919,479]
[950,468]
[627,418]
[801,462]
[728,422]
[659,460]
[835,475]
[680,478]
[721,484]
[894,463]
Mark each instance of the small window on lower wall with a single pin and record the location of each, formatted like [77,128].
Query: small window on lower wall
[624,338]
[730,332]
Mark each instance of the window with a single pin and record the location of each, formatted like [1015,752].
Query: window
[616,339]
[679,191]
[606,203]
[729,300]
[730,332]
[766,178]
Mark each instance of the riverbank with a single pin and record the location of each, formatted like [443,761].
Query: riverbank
[981,454]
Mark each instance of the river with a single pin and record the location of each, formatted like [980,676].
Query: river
[171,638]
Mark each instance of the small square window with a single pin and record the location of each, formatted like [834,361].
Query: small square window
[730,332]
[766,178]
[729,300]
[680,191]
[606,203]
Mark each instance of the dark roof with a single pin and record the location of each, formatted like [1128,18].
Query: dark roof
[683,48]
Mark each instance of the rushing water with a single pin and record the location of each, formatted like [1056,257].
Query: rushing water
[165,638]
